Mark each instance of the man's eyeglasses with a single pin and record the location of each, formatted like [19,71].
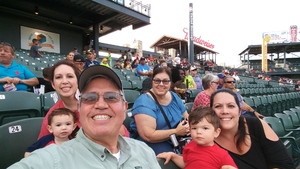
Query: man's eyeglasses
[230,82]
[164,81]
[93,97]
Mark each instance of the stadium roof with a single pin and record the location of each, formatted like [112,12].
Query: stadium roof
[168,42]
[273,48]
[83,14]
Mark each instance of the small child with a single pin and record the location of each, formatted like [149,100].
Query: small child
[202,152]
[61,123]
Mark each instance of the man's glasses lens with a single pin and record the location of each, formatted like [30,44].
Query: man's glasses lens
[158,81]
[92,98]
[230,82]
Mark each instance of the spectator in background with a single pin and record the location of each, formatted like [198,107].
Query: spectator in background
[79,62]
[134,64]
[168,59]
[118,65]
[46,80]
[34,49]
[129,55]
[127,65]
[177,61]
[90,61]
[189,79]
[143,69]
[70,56]
[76,51]
[229,83]
[235,76]
[297,86]
[13,76]
[221,76]
[104,62]
[226,72]
[210,84]
[196,78]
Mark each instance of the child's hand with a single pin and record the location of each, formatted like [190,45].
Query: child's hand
[228,167]
[166,155]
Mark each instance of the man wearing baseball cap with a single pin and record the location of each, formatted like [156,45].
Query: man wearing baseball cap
[98,144]
[221,81]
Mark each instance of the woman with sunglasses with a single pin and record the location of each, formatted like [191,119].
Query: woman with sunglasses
[149,124]
[63,77]
[210,84]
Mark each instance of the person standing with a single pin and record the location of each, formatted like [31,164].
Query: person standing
[143,69]
[34,49]
[98,144]
[13,76]
[197,79]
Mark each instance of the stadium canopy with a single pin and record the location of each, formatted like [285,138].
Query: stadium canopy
[273,48]
[181,46]
[81,14]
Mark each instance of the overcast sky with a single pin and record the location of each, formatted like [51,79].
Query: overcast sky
[230,25]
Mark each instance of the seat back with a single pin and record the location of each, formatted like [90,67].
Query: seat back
[48,100]
[286,120]
[19,105]
[131,96]
[276,124]
[293,116]
[128,119]
[170,165]
[189,106]
[15,137]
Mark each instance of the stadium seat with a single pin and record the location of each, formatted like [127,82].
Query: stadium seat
[48,100]
[262,109]
[15,137]
[170,165]
[288,126]
[128,119]
[137,85]
[267,105]
[126,85]
[193,94]
[189,106]
[294,117]
[19,105]
[132,78]
[288,140]
[131,96]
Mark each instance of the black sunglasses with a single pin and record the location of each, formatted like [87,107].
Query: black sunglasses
[230,82]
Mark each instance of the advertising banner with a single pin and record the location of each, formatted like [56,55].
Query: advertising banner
[48,41]
[287,36]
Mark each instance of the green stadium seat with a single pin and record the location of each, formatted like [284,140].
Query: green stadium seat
[15,137]
[132,78]
[170,165]
[128,119]
[288,140]
[267,105]
[193,94]
[19,105]
[131,96]
[294,117]
[48,100]
[126,85]
[137,85]
[189,106]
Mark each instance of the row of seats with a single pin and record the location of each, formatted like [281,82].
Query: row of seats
[267,105]
[287,126]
